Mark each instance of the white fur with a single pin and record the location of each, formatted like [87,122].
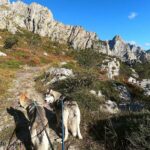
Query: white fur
[71,114]
[49,99]
[44,145]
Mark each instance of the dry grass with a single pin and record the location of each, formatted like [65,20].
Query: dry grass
[6,76]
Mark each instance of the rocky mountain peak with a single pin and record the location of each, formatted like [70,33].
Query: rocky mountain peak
[39,19]
[117,38]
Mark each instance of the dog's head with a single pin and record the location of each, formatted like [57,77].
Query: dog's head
[52,96]
[24,101]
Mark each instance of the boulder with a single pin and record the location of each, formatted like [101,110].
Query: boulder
[97,93]
[144,84]
[109,107]
[132,80]
[124,94]
[3,54]
[58,74]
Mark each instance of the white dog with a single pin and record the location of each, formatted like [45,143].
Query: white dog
[71,113]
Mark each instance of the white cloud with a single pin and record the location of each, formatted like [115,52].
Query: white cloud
[147,44]
[132,15]
[132,42]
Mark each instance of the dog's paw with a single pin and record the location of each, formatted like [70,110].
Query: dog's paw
[80,137]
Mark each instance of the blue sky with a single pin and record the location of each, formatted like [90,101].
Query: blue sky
[128,18]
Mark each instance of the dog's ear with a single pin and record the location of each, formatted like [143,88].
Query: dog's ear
[50,91]
[23,96]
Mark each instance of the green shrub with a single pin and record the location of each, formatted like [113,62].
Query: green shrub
[143,69]
[125,70]
[34,40]
[74,83]
[10,42]
[126,132]
[86,100]
[89,58]
[108,89]
[137,93]
[13,64]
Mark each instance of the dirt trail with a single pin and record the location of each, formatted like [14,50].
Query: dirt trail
[24,81]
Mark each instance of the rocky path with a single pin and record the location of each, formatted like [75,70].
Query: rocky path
[24,81]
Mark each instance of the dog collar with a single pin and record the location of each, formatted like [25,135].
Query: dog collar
[31,107]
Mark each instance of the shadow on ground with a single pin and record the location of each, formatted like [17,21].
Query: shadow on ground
[22,127]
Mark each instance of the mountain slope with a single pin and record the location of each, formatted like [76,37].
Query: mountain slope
[39,19]
[98,82]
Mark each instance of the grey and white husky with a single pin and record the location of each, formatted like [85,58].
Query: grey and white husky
[71,113]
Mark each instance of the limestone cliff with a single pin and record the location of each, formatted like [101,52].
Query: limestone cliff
[39,19]
[119,48]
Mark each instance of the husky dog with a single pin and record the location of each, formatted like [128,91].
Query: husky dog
[38,134]
[71,113]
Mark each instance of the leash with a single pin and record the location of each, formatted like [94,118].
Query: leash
[43,125]
[7,148]
[62,116]
[39,132]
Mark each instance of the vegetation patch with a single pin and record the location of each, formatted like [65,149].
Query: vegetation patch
[125,71]
[89,58]
[108,89]
[128,131]
[6,76]
[143,69]
[10,42]
[11,64]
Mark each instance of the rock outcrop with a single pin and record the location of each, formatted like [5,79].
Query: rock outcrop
[124,94]
[148,55]
[109,107]
[39,19]
[112,67]
[144,84]
[58,74]
[119,48]
[2,54]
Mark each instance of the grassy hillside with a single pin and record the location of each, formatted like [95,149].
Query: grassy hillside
[100,130]
[26,48]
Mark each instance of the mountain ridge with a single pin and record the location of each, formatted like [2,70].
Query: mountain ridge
[39,19]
